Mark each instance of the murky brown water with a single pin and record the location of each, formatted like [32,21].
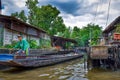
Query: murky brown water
[72,70]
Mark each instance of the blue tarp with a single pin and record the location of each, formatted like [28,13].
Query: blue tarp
[6,57]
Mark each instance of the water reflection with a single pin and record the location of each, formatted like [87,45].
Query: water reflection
[72,70]
[101,74]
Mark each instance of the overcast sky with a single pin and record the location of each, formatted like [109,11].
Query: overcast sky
[74,12]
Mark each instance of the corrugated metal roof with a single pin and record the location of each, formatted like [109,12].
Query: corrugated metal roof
[13,18]
[112,25]
[65,39]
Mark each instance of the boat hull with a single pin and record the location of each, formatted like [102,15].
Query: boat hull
[37,61]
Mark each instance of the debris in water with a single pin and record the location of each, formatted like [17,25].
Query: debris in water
[44,75]
[63,77]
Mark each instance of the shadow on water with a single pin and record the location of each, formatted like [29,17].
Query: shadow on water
[16,70]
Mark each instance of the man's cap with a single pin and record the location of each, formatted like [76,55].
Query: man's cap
[19,35]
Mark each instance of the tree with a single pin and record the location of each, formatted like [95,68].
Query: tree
[91,32]
[45,17]
[82,36]
[20,16]
[76,34]
[67,33]
[57,26]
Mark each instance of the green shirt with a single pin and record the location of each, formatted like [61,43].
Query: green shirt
[23,44]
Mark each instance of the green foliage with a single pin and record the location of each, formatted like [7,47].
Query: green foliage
[14,43]
[47,17]
[82,36]
[67,32]
[117,28]
[57,26]
[1,43]
[20,15]
[10,45]
[33,44]
[43,44]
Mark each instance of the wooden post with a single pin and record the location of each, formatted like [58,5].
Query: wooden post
[115,57]
[1,33]
[0,7]
[84,62]
[88,58]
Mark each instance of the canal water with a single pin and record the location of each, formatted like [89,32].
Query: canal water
[72,70]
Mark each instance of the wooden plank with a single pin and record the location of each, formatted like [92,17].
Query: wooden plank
[18,27]
[32,31]
[99,52]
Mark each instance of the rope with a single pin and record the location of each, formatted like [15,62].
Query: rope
[95,13]
[108,12]
[97,10]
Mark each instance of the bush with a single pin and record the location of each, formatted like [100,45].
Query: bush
[10,45]
[33,44]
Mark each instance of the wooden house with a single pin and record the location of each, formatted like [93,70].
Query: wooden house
[112,32]
[62,42]
[10,27]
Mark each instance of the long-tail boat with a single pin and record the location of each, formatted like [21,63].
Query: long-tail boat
[35,60]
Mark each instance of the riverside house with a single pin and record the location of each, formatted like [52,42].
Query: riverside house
[10,27]
[63,43]
[112,32]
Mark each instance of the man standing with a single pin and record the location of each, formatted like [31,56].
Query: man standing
[23,45]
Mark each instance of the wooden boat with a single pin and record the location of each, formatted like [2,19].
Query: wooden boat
[34,60]
[39,51]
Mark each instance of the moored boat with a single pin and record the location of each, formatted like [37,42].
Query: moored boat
[33,60]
